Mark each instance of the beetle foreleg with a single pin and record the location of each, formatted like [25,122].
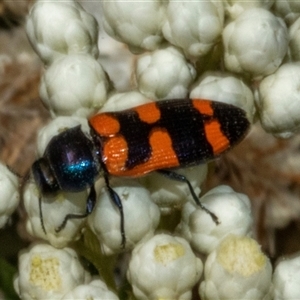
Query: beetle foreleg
[90,204]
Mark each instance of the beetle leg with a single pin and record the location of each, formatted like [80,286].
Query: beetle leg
[181,178]
[90,204]
[117,201]
[41,214]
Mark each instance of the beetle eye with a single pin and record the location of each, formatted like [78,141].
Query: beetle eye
[44,177]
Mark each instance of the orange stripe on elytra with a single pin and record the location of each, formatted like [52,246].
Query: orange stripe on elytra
[215,137]
[105,124]
[115,154]
[203,106]
[148,113]
[162,156]
[161,143]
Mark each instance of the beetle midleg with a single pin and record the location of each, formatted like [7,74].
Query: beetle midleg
[181,178]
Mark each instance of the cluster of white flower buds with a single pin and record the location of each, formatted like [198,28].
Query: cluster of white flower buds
[10,194]
[236,52]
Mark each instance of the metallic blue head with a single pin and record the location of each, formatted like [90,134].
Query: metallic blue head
[70,163]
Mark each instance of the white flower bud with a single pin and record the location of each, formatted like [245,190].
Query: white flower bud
[164,74]
[54,210]
[294,34]
[169,194]
[164,268]
[225,88]
[233,211]
[48,273]
[59,28]
[279,101]
[287,9]
[194,26]
[10,197]
[237,269]
[235,7]
[57,126]
[117,60]
[264,47]
[138,24]
[286,279]
[141,216]
[74,85]
[122,101]
[96,290]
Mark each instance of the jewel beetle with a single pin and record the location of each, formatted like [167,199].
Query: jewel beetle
[158,136]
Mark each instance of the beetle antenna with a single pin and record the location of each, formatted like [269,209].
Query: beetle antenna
[24,180]
[117,201]
[41,213]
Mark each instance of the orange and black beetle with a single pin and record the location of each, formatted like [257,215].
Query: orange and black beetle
[157,136]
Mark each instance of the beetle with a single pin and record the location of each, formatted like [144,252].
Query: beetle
[158,136]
